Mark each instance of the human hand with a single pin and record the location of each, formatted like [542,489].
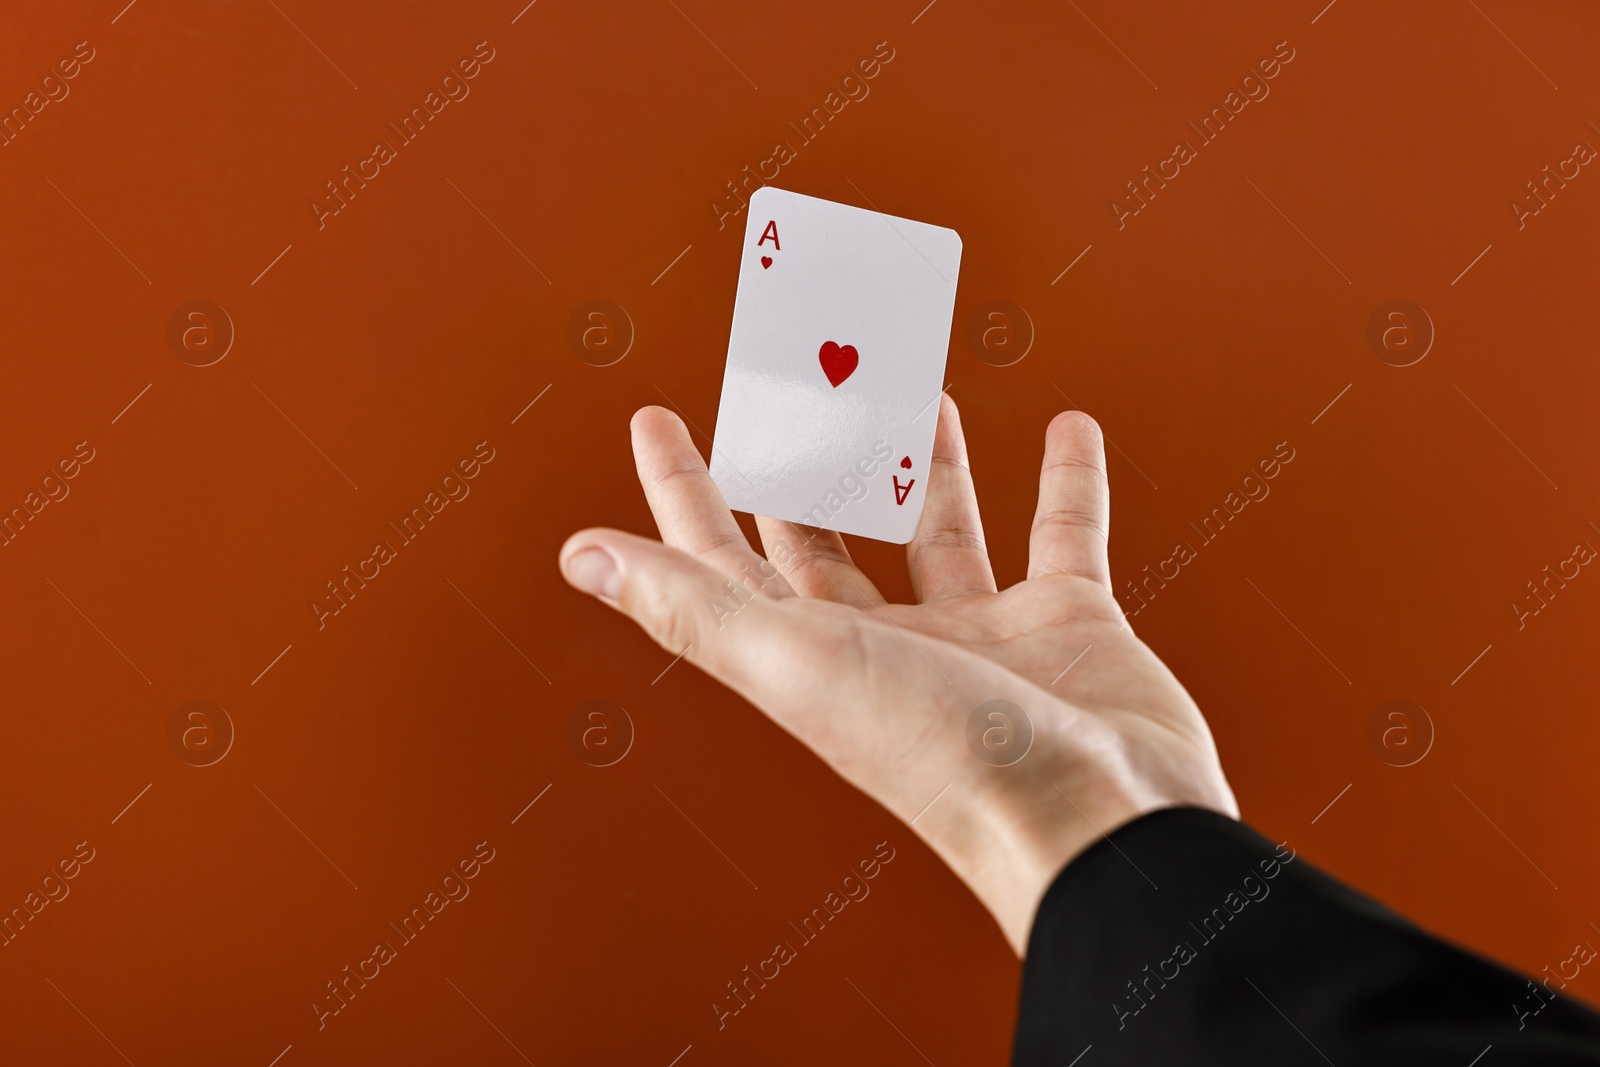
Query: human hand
[885,692]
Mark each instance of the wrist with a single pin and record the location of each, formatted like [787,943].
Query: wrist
[1007,832]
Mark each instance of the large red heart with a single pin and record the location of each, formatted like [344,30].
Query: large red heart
[838,361]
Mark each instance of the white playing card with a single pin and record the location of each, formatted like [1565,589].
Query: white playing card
[835,365]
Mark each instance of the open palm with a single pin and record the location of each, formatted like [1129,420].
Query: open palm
[1009,728]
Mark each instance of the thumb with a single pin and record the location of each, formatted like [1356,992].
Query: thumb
[686,606]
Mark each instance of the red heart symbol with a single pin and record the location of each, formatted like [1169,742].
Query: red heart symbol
[838,361]
[766,261]
[906,463]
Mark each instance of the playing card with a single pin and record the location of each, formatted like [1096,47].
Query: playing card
[835,365]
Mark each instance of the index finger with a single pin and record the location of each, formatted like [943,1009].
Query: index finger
[687,505]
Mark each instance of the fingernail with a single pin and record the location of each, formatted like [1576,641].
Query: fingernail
[594,571]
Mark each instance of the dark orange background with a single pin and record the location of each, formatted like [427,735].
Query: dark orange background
[377,351]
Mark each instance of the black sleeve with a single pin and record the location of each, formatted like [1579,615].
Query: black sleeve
[1187,938]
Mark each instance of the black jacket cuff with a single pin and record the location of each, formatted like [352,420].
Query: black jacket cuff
[1185,937]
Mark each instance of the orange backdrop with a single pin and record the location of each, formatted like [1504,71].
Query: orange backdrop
[182,482]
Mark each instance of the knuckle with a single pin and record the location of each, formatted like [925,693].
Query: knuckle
[1073,464]
[691,469]
[671,621]
[951,460]
[1072,518]
[718,542]
[959,537]
[947,539]
[810,556]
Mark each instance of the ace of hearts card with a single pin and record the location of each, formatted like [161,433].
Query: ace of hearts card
[835,365]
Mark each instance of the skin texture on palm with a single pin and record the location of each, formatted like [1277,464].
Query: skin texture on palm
[884,692]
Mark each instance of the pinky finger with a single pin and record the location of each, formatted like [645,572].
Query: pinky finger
[1073,519]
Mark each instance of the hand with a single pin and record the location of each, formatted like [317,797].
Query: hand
[884,692]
